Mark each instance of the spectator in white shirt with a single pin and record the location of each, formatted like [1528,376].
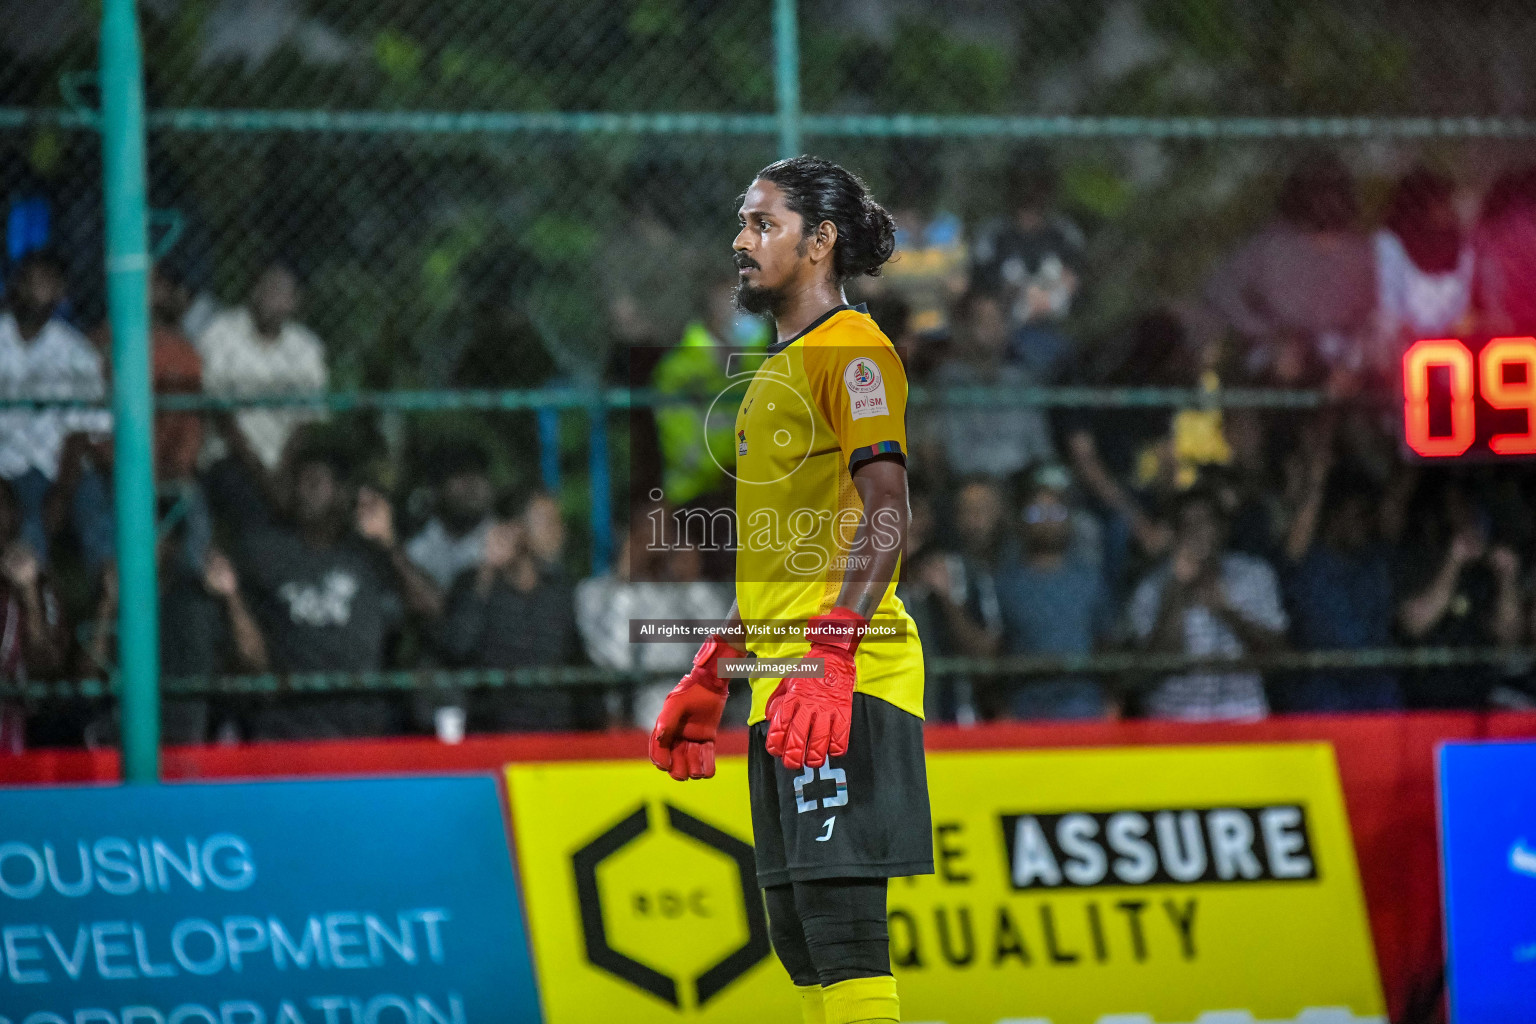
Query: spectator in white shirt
[42,357]
[258,349]
[1207,602]
[1424,265]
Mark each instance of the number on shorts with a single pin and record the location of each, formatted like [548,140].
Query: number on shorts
[828,774]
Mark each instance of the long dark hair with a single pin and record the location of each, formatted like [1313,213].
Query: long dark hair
[1433,242]
[819,190]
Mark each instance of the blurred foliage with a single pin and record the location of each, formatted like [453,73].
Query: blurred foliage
[500,260]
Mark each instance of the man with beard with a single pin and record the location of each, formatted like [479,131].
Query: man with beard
[835,761]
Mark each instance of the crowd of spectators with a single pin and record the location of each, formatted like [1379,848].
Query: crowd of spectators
[276,553]
[1209,533]
[1046,533]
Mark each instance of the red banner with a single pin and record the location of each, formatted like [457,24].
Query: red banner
[1386,763]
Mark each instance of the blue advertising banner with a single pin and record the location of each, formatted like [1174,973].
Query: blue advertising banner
[1488,842]
[387,901]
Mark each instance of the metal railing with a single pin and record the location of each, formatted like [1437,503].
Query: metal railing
[1130,668]
[559,398]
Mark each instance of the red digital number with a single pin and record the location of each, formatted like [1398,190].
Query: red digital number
[1418,360]
[1502,352]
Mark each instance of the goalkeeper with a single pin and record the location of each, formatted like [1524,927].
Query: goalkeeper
[838,784]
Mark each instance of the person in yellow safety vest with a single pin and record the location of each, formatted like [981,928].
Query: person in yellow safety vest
[694,452]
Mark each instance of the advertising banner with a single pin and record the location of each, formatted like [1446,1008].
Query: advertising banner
[1072,887]
[363,902]
[642,895]
[1488,843]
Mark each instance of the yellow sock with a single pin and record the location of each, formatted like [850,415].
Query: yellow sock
[810,1004]
[862,1001]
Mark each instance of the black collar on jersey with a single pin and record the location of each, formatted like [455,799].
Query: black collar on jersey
[780,346]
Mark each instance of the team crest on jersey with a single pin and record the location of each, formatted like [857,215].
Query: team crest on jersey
[741,442]
[862,375]
[866,388]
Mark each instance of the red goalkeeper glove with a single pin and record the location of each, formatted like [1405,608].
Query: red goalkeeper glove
[811,717]
[683,742]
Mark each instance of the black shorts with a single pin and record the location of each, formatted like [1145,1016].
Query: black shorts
[862,815]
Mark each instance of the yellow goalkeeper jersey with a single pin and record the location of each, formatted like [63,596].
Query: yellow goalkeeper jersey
[818,406]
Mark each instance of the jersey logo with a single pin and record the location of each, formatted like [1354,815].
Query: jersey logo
[866,388]
[828,774]
[863,375]
[830,823]
[741,442]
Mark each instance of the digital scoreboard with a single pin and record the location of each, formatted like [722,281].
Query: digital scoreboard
[1470,398]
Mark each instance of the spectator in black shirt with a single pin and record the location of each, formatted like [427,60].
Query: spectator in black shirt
[1460,587]
[513,610]
[206,630]
[1338,583]
[205,618]
[328,590]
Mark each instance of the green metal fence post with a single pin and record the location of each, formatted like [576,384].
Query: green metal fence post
[786,52]
[600,482]
[122,124]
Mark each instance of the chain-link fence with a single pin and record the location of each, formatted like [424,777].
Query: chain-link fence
[430,174]
[498,196]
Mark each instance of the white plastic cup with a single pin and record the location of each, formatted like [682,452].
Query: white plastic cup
[449,723]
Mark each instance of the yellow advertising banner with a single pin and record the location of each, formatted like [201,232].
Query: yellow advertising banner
[1134,886]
